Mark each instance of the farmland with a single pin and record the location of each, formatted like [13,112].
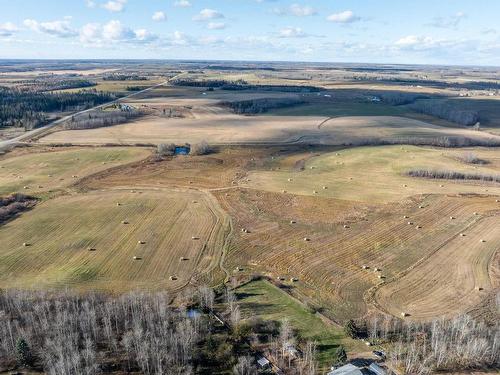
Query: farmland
[89,241]
[319,197]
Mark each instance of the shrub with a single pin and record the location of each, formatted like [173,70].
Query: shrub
[201,148]
[23,351]
[164,149]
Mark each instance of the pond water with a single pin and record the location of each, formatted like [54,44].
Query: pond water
[181,150]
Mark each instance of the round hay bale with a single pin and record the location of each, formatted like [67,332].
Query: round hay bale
[283,191]
[141,242]
[91,249]
[475,213]
[406,217]
[173,278]
[315,192]
[195,238]
[292,222]
[404,315]
[183,259]
[346,226]
[124,222]
[365,267]
[26,244]
[325,187]
[118,204]
[294,279]
[462,234]
[410,223]
[289,180]
[420,206]
[307,239]
[368,343]
[136,257]
[405,185]
[479,288]
[482,240]
[419,227]
[452,217]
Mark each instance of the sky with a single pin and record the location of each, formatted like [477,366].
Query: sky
[451,32]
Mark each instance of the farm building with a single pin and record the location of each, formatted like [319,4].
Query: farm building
[377,369]
[348,369]
[263,363]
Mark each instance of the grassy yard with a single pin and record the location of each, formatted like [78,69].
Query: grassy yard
[264,300]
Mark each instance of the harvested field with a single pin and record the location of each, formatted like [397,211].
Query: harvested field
[81,241]
[48,169]
[208,121]
[455,279]
[376,174]
[329,266]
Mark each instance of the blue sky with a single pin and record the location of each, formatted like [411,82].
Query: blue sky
[378,31]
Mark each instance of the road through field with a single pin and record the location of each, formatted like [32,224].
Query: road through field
[39,131]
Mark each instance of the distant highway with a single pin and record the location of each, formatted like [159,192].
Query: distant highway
[38,131]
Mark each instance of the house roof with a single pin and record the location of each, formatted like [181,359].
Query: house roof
[348,369]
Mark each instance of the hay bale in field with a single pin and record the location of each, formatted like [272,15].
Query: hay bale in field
[346,226]
[313,167]
[325,187]
[49,175]
[294,279]
[173,278]
[74,176]
[368,343]
[124,222]
[26,187]
[141,242]
[136,257]
[419,227]
[497,200]
[195,201]
[462,234]
[292,222]
[91,249]
[118,204]
[280,278]
[405,185]
[452,217]
[479,288]
[283,191]
[307,239]
[441,185]
[410,223]
[315,192]
[289,180]
[482,240]
[183,259]
[406,217]
[365,267]
[404,314]
[26,244]
[475,213]
[195,238]
[376,269]
[420,206]
[239,269]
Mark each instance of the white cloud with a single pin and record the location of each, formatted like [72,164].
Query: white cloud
[159,16]
[90,4]
[295,10]
[292,32]
[415,42]
[302,11]
[60,28]
[448,22]
[208,14]
[346,16]
[114,31]
[7,29]
[115,5]
[216,25]
[182,3]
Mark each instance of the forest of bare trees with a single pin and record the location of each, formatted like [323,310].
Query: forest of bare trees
[13,204]
[453,175]
[443,345]
[446,111]
[256,106]
[100,118]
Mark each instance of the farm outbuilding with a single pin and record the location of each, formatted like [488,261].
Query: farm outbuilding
[348,369]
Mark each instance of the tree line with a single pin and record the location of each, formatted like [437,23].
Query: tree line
[255,106]
[31,109]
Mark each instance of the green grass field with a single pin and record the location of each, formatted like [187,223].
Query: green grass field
[264,300]
[376,174]
[42,171]
[337,109]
